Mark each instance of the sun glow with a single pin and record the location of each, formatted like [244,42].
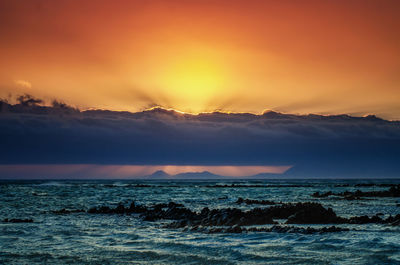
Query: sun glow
[194,80]
[200,56]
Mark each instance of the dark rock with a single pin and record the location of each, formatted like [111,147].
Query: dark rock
[16,220]
[101,210]
[332,229]
[322,195]
[65,211]
[234,229]
[120,209]
[226,217]
[240,200]
[375,185]
[366,220]
[393,191]
[275,229]
[236,186]
[259,186]
[367,185]
[142,186]
[133,208]
[300,213]
[393,220]
[314,213]
[295,213]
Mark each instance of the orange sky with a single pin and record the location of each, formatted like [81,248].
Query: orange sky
[291,56]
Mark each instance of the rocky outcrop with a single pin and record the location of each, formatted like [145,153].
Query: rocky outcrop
[67,211]
[120,209]
[367,185]
[259,186]
[276,229]
[225,217]
[393,191]
[315,214]
[299,213]
[233,219]
[240,200]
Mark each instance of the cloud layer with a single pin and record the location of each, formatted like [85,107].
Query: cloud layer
[316,146]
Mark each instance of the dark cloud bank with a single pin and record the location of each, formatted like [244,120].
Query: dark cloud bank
[316,146]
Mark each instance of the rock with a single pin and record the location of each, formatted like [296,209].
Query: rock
[258,186]
[65,211]
[233,218]
[322,195]
[396,222]
[16,220]
[365,220]
[136,209]
[142,186]
[240,200]
[120,209]
[332,229]
[314,213]
[101,210]
[394,191]
[393,220]
[234,229]
[292,229]
[301,213]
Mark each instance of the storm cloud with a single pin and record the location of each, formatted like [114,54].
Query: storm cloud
[315,145]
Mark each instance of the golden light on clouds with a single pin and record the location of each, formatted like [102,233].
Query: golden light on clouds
[23,83]
[325,57]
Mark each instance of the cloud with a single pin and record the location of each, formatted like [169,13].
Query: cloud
[28,100]
[316,146]
[23,83]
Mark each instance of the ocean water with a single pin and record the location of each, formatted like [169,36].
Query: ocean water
[82,238]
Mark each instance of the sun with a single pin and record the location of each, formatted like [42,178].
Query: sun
[193,80]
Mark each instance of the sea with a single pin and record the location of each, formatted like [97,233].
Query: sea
[83,238]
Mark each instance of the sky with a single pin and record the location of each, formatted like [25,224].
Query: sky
[325,57]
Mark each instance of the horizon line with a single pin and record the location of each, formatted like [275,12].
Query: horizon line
[42,103]
[137,171]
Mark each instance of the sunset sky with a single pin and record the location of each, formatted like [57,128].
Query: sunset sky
[324,57]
